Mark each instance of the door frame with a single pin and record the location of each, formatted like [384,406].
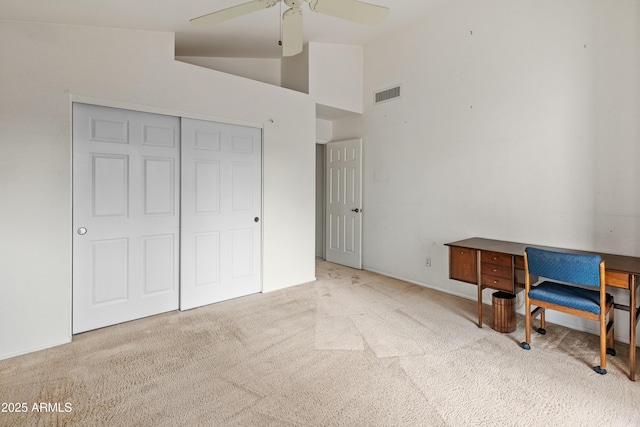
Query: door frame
[101,102]
[320,199]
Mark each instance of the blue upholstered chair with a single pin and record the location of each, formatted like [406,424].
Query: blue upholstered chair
[560,273]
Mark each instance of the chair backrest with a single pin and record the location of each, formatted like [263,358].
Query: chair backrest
[581,269]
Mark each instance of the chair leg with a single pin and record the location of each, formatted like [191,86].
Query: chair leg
[602,369]
[543,324]
[527,318]
[539,311]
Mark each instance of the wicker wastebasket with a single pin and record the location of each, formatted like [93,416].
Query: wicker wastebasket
[504,312]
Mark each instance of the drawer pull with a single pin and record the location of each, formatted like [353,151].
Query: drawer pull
[495,258]
[495,282]
[495,270]
[461,252]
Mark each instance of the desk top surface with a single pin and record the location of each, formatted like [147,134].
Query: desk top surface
[622,263]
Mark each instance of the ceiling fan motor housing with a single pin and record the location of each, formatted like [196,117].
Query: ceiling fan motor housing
[294,3]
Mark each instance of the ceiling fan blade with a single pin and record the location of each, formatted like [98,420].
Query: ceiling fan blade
[351,10]
[292,32]
[232,12]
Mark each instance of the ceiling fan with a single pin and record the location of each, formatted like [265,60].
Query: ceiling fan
[351,10]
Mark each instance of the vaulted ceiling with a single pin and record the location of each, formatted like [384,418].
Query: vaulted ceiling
[251,36]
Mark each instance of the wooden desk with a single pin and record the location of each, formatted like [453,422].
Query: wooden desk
[499,265]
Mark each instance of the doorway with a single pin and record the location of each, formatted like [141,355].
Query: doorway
[343,202]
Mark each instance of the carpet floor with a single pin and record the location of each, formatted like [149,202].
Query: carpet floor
[353,348]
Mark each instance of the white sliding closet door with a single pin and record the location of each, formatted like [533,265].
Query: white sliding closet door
[221,195]
[125,215]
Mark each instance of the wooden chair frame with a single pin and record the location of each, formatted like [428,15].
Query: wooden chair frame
[606,309]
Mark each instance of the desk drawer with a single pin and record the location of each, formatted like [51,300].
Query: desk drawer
[617,280]
[499,283]
[497,270]
[496,258]
[463,264]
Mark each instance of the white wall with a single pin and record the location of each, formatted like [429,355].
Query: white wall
[324,131]
[335,75]
[295,71]
[43,68]
[266,70]
[518,121]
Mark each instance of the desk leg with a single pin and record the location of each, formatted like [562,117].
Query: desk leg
[479,281]
[632,326]
[479,305]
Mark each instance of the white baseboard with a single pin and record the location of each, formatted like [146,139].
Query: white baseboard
[33,349]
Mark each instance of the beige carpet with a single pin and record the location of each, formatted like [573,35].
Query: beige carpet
[351,349]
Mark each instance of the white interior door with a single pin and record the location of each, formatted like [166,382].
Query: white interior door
[221,212]
[343,188]
[125,215]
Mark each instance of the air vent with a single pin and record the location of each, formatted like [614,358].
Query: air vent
[387,95]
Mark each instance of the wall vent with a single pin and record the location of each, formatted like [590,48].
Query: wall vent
[386,95]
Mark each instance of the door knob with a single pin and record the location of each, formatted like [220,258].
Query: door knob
[356,210]
[82,231]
